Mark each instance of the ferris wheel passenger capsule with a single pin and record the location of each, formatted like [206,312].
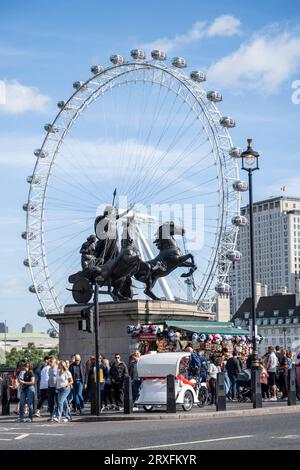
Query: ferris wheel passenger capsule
[138,54]
[28,236]
[40,153]
[51,128]
[214,96]
[77,85]
[41,313]
[235,152]
[32,179]
[240,186]
[117,59]
[227,122]
[179,62]
[158,55]
[233,255]
[34,289]
[61,104]
[239,220]
[33,263]
[198,76]
[223,288]
[28,207]
[95,69]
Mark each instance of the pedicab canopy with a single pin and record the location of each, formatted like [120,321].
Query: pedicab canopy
[160,365]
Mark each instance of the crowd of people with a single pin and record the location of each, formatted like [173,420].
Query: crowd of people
[274,366]
[65,386]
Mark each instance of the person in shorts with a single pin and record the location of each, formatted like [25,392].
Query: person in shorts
[271,367]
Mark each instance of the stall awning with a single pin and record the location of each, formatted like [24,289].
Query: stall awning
[208,328]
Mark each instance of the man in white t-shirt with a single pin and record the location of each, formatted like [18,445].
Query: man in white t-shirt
[271,366]
[43,386]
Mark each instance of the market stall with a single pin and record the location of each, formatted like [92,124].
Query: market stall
[211,337]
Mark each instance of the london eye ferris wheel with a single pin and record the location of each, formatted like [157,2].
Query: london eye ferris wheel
[155,133]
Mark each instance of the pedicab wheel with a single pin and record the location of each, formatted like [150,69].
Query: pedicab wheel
[202,397]
[188,401]
[148,408]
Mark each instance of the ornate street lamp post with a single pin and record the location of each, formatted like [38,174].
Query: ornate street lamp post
[250,164]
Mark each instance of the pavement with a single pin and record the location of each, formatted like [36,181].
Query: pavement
[272,432]
[233,409]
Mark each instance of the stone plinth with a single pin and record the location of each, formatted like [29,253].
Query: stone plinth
[114,319]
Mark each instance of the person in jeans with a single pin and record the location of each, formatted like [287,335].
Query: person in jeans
[44,378]
[27,392]
[117,373]
[233,367]
[52,386]
[77,371]
[64,382]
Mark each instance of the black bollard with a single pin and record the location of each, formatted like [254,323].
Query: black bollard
[93,398]
[220,393]
[256,388]
[292,386]
[171,400]
[128,403]
[5,396]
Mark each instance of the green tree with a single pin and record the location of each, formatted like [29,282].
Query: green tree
[13,357]
[53,352]
[32,354]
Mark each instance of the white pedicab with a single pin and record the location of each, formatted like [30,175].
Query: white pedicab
[153,370]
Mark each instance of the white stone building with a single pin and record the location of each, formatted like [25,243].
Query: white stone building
[277,248]
[278,319]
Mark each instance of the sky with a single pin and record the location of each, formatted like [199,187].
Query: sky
[251,52]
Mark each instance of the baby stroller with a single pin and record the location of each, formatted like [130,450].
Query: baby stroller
[243,385]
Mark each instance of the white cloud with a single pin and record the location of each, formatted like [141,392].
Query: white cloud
[224,25]
[17,98]
[263,63]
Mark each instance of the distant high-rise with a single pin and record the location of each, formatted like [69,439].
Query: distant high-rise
[3,329]
[276,224]
[27,328]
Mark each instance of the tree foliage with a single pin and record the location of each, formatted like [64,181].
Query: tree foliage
[32,354]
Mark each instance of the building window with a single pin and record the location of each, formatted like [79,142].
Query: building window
[261,314]
[246,315]
[290,312]
[275,313]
